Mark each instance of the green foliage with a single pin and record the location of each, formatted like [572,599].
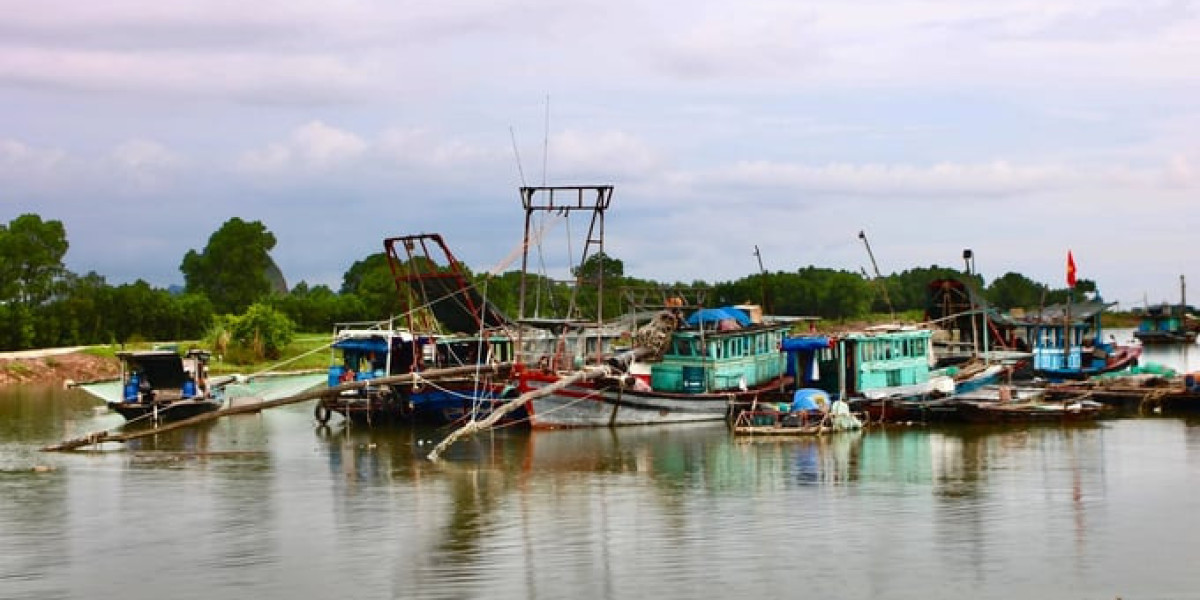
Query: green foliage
[233,269]
[319,308]
[909,290]
[261,332]
[371,280]
[31,254]
[1013,290]
[43,304]
[16,326]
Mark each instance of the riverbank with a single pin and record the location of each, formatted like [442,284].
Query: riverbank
[56,366]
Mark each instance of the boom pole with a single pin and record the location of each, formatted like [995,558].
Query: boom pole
[882,286]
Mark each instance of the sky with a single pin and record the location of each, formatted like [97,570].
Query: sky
[1021,130]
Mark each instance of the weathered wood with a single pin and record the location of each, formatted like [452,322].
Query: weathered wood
[124,436]
[618,364]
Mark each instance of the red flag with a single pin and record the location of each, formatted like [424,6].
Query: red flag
[1070,270]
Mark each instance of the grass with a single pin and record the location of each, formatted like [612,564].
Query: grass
[17,369]
[306,351]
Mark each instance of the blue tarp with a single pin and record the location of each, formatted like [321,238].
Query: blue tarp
[808,342]
[809,399]
[378,345]
[715,315]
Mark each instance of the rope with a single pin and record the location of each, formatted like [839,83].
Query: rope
[1153,400]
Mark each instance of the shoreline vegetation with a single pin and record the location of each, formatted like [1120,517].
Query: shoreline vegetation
[96,363]
[305,353]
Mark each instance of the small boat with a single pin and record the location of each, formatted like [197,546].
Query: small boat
[1167,324]
[163,386]
[1035,410]
[810,413]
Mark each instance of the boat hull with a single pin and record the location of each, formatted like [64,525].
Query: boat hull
[166,411]
[1165,337]
[1124,358]
[971,411]
[599,405]
[446,403]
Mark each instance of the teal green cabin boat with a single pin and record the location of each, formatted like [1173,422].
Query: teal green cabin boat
[700,361]
[868,368]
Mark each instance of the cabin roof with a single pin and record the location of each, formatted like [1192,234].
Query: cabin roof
[1081,311]
[159,368]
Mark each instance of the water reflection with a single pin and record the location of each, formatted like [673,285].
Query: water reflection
[271,506]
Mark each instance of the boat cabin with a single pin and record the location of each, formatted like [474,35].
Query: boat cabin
[720,349]
[874,363]
[364,354]
[1067,338]
[163,375]
[1165,323]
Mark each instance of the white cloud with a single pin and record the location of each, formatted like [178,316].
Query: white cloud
[604,154]
[424,148]
[314,145]
[143,154]
[18,159]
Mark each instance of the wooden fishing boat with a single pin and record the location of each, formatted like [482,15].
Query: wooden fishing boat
[707,367]
[366,354]
[879,371]
[1165,324]
[162,385]
[448,324]
[1027,411]
[1067,342]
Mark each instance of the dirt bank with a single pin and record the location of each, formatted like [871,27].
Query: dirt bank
[56,369]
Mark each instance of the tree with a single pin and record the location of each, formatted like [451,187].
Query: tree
[31,254]
[233,269]
[262,331]
[371,280]
[1013,290]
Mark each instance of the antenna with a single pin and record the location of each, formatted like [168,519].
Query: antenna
[546,141]
[762,280]
[520,171]
[882,286]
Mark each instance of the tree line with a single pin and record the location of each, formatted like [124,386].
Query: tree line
[233,292]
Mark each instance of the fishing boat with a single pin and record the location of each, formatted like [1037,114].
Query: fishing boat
[1067,342]
[715,359]
[162,385]
[1168,324]
[970,336]
[884,371]
[365,354]
[448,324]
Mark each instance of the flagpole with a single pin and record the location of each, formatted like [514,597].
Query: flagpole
[1067,318]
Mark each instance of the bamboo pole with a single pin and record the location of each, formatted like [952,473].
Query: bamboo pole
[124,436]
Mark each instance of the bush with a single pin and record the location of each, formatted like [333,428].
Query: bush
[262,330]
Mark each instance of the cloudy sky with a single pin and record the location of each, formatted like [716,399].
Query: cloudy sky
[1019,129]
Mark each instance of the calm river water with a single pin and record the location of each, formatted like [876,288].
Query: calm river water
[271,507]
